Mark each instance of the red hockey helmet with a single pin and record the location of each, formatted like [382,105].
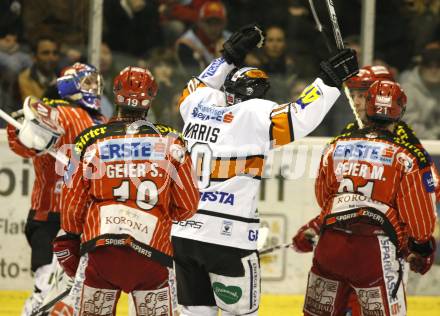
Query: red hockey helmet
[386,101]
[367,75]
[134,87]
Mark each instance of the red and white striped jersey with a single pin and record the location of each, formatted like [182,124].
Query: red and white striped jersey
[404,134]
[47,185]
[128,187]
[369,169]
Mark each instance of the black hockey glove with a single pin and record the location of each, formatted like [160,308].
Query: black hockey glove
[339,67]
[242,42]
[421,255]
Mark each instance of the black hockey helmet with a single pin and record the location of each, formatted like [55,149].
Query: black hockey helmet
[245,83]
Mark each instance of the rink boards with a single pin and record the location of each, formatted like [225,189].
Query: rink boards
[280,305]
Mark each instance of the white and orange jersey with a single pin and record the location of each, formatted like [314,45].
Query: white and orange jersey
[228,145]
[128,187]
[374,175]
[47,185]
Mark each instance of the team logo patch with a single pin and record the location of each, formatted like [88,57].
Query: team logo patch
[428,182]
[228,294]
[405,161]
[384,101]
[309,95]
[226,228]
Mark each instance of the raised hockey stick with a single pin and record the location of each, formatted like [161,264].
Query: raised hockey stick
[57,155]
[339,45]
[335,24]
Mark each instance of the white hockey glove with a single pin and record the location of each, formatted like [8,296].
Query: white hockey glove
[37,131]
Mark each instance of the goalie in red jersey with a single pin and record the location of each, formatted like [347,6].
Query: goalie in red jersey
[52,124]
[126,182]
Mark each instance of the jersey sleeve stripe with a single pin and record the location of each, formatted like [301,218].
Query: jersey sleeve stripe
[281,129]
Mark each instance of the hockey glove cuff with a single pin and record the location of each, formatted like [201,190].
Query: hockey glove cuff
[304,240]
[242,42]
[421,255]
[66,248]
[339,68]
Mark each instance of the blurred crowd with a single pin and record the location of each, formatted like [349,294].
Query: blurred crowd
[176,39]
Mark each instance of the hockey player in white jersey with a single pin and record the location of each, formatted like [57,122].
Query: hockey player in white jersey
[229,128]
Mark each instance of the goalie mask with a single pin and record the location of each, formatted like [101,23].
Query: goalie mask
[134,87]
[244,84]
[367,75]
[81,84]
[386,102]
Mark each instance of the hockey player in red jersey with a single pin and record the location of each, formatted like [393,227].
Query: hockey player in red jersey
[126,182]
[358,86]
[377,195]
[229,128]
[304,239]
[52,123]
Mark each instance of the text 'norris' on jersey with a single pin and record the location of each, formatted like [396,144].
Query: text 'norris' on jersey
[201,132]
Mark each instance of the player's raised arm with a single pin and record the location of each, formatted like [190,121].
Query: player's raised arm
[233,54]
[39,130]
[297,119]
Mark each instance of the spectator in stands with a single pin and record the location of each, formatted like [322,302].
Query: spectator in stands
[185,11]
[306,44]
[12,58]
[273,58]
[169,78]
[12,61]
[275,61]
[36,79]
[132,26]
[424,22]
[422,87]
[108,72]
[176,16]
[265,13]
[65,21]
[197,47]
